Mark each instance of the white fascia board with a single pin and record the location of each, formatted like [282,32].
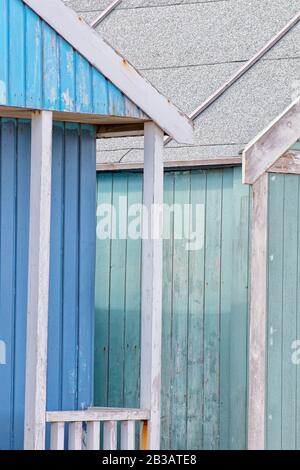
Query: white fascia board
[262,152]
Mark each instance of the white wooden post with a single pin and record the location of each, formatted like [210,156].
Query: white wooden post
[258,315]
[152,260]
[38,280]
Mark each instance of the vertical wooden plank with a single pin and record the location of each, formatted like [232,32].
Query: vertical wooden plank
[180,314]
[117,295]
[128,435]
[196,314]
[7,273]
[275,310]
[226,300]
[167,351]
[152,260]
[239,314]
[116,101]
[57,436]
[38,280]
[132,347]
[102,302]
[110,435]
[83,85]
[67,76]
[22,238]
[55,325]
[87,252]
[289,320]
[33,58]
[75,436]
[4,52]
[100,93]
[16,53]
[212,311]
[50,68]
[258,313]
[93,436]
[71,268]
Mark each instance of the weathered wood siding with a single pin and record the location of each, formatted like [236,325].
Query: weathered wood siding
[71,317]
[283,328]
[40,70]
[205,311]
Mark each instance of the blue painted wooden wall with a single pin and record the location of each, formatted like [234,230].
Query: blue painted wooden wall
[70,378]
[205,311]
[283,331]
[39,69]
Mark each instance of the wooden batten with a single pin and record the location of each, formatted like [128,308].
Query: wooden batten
[38,281]
[258,315]
[152,262]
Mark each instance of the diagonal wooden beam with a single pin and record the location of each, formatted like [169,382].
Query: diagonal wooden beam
[272,143]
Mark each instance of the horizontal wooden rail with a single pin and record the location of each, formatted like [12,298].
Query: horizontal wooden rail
[98,414]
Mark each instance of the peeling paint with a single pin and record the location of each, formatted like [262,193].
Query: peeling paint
[2,92]
[68,101]
[2,353]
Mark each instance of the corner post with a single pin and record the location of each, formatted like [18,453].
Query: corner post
[258,315]
[38,281]
[152,260]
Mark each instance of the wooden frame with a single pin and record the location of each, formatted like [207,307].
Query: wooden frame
[272,143]
[38,281]
[114,67]
[152,260]
[174,164]
[267,153]
[258,315]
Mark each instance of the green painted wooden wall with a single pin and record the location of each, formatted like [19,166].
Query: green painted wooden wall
[205,312]
[283,372]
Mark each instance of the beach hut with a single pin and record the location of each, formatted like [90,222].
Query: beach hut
[271,167]
[61,85]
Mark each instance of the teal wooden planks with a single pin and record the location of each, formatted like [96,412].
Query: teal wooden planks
[282,413]
[117,295]
[205,307]
[40,70]
[132,347]
[180,308]
[195,370]
[102,288]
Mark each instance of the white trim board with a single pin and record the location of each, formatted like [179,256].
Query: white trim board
[272,143]
[114,67]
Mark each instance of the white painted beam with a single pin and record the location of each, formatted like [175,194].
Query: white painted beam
[258,315]
[272,143]
[38,280]
[115,67]
[152,259]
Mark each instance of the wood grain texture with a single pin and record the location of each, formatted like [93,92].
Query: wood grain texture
[232,330]
[272,143]
[283,314]
[258,316]
[39,69]
[114,67]
[38,281]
